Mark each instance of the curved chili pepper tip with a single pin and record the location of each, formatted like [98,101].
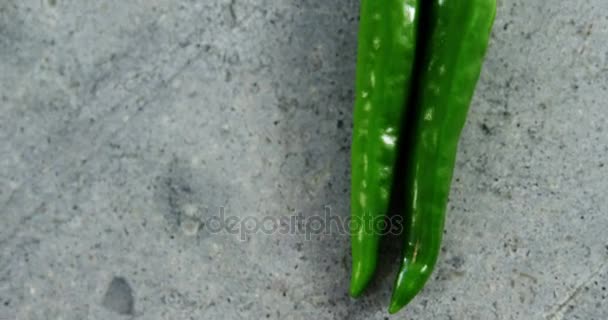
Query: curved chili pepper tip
[410,282]
[361,276]
[394,307]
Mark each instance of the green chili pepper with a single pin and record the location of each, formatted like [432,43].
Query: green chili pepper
[387,45]
[458,32]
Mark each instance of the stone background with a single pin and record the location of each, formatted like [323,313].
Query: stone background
[126,125]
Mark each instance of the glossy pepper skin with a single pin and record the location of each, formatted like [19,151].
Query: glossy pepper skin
[458,32]
[385,57]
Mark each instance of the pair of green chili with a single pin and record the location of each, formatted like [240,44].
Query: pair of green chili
[417,66]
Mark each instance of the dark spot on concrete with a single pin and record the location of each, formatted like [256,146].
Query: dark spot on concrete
[52,3]
[187,194]
[232,21]
[287,105]
[533,133]
[456,262]
[340,124]
[119,297]
[178,188]
[255,88]
[485,129]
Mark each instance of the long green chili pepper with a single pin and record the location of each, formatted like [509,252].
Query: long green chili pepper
[458,34]
[387,46]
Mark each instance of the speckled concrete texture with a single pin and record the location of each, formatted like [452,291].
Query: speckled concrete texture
[127,127]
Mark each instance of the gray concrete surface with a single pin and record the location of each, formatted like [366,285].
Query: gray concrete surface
[126,125]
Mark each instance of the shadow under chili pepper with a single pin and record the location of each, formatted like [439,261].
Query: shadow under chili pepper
[315,74]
